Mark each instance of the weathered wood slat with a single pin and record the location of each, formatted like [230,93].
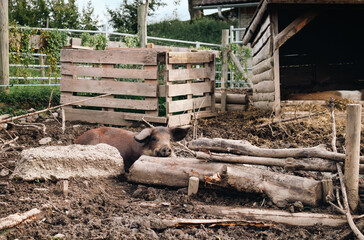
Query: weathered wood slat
[204,114]
[189,57]
[262,29]
[264,53]
[113,87]
[93,116]
[263,97]
[255,22]
[264,76]
[189,88]
[140,117]
[124,56]
[263,66]
[189,104]
[109,72]
[112,102]
[187,74]
[265,105]
[179,120]
[262,41]
[264,87]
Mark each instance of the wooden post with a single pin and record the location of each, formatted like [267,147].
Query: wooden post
[4,45]
[353,128]
[224,67]
[277,88]
[142,24]
[42,69]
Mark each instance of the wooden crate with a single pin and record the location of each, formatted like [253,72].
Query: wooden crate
[188,87]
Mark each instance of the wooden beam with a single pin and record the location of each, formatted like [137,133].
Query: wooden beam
[4,45]
[294,27]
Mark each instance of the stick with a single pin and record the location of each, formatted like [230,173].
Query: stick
[352,225]
[333,141]
[63,120]
[48,109]
[148,123]
[290,119]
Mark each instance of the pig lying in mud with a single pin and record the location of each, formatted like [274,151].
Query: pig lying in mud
[154,141]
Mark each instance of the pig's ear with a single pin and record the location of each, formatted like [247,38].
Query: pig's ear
[143,135]
[179,133]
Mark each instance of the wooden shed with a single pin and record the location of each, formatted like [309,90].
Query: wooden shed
[305,46]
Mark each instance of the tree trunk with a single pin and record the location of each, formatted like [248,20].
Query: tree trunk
[245,148]
[280,188]
[194,13]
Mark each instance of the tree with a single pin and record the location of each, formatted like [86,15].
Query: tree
[194,13]
[88,21]
[124,18]
[64,15]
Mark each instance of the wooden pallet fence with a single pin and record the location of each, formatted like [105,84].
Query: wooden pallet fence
[130,75]
[190,86]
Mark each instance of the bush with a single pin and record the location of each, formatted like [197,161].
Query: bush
[203,30]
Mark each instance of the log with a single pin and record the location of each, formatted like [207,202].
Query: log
[259,97]
[264,76]
[242,147]
[280,188]
[294,219]
[264,53]
[293,164]
[265,105]
[18,218]
[263,66]
[264,87]
[232,98]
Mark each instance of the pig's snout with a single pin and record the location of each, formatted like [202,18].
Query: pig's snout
[165,151]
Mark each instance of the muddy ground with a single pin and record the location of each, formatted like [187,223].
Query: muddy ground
[116,209]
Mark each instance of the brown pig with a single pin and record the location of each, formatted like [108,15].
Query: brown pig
[150,141]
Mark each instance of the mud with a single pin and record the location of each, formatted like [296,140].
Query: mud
[112,208]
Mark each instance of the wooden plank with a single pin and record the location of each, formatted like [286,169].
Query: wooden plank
[112,102]
[187,74]
[113,87]
[261,42]
[264,87]
[94,116]
[205,114]
[257,97]
[263,66]
[179,120]
[140,117]
[189,88]
[262,29]
[109,72]
[294,27]
[189,57]
[237,64]
[122,56]
[267,75]
[264,53]
[189,104]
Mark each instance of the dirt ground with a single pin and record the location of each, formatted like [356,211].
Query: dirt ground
[115,209]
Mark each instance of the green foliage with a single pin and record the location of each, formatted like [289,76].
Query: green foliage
[125,18]
[51,44]
[131,41]
[21,99]
[58,13]
[202,30]
[99,41]
[243,54]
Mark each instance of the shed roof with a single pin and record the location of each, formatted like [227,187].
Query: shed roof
[263,4]
[220,2]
